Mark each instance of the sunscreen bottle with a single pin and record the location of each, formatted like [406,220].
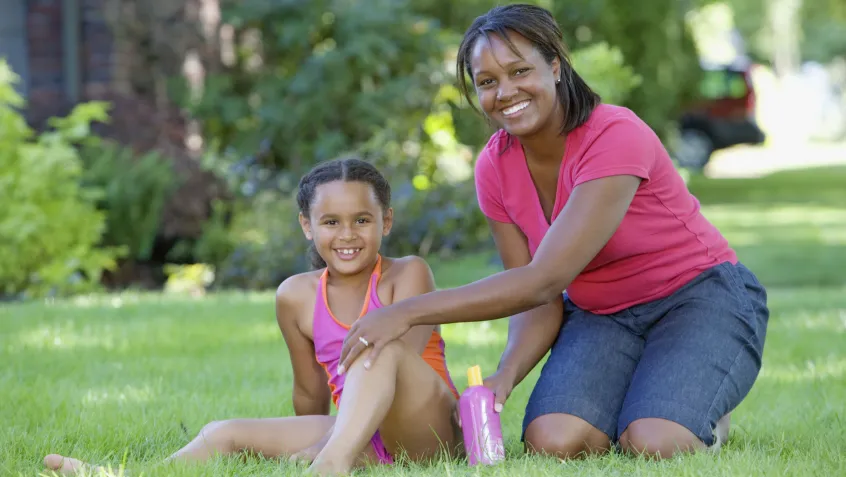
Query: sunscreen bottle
[479,422]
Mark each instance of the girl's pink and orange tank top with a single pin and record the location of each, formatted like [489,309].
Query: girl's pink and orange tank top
[329,334]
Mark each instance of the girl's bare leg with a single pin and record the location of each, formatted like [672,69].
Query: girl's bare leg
[402,397]
[270,438]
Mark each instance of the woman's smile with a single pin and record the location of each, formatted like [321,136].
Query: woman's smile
[515,110]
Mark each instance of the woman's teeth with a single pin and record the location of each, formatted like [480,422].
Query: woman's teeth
[348,251]
[514,109]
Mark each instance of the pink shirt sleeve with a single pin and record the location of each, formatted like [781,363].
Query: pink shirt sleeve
[622,147]
[489,189]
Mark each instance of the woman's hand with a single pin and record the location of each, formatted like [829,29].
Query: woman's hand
[501,383]
[374,330]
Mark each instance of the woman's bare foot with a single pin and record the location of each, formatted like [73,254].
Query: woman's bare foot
[66,465]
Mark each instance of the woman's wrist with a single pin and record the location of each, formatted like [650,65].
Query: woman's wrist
[411,315]
[510,366]
[509,369]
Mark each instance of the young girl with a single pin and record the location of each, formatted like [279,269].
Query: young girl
[404,403]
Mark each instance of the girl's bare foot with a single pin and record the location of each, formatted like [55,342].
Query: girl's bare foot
[323,466]
[66,465]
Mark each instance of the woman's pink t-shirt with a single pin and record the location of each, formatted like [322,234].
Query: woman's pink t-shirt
[663,241]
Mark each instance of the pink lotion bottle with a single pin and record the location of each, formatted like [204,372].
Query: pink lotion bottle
[479,422]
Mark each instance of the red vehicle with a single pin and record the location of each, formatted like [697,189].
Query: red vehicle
[723,116]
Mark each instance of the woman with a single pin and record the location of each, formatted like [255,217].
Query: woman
[664,330]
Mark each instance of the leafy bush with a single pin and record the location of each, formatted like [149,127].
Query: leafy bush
[49,225]
[604,69]
[440,220]
[134,193]
[261,246]
[315,79]
[654,40]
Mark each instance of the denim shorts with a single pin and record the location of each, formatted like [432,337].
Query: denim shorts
[689,358]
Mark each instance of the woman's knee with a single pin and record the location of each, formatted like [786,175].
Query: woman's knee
[565,436]
[658,438]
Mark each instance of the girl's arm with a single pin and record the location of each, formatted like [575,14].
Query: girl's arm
[311,395]
[531,333]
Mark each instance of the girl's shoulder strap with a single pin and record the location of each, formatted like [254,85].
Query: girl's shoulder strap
[377,269]
[375,277]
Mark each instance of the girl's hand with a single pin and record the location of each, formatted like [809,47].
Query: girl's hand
[308,454]
[373,330]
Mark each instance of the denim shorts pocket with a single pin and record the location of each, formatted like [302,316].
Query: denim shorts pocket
[737,285]
[647,308]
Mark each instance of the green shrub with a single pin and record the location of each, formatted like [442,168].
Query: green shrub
[262,245]
[49,225]
[605,70]
[134,193]
[316,79]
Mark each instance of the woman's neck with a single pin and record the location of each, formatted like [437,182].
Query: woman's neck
[546,145]
[544,149]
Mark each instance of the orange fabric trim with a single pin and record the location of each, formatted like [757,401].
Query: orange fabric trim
[323,286]
[332,387]
[434,356]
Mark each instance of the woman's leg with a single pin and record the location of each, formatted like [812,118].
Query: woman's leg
[270,438]
[400,396]
[575,404]
[701,358]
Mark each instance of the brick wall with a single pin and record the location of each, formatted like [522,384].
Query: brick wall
[96,50]
[46,54]
[46,74]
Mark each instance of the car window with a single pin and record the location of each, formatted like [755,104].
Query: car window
[723,85]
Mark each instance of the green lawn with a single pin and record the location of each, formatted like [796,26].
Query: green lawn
[110,378]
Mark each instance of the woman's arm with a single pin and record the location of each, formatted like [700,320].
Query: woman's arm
[311,395]
[531,333]
[591,216]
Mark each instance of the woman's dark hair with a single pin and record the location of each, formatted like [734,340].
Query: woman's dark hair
[350,169]
[539,27]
